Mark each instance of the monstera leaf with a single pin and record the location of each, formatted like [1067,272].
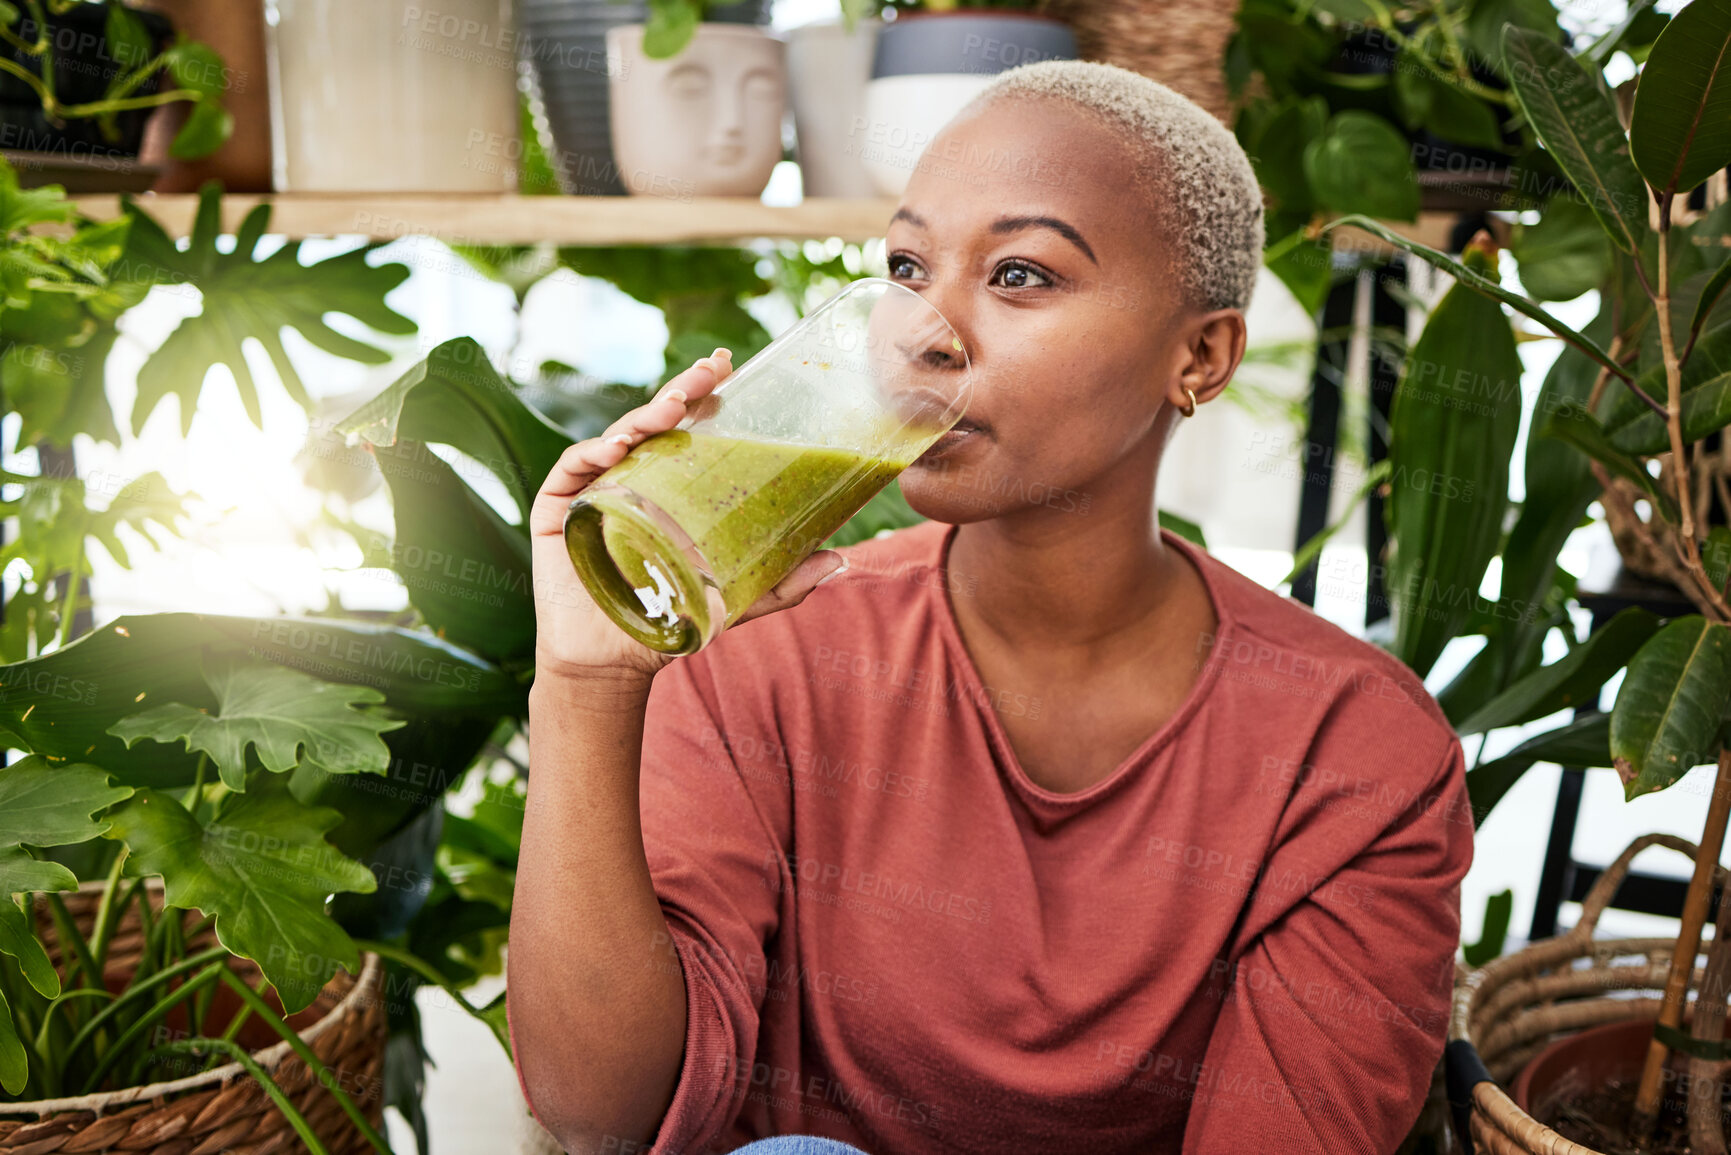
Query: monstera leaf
[262,867]
[42,804]
[278,711]
[247,298]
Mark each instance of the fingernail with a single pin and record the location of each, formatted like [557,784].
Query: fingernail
[619,439]
[721,351]
[840,569]
[677,394]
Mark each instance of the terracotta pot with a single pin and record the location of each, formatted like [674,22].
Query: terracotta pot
[1614,1052]
[234,29]
[704,122]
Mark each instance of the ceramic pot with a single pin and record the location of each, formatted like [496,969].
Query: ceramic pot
[705,122]
[828,69]
[393,96]
[928,65]
[565,44]
[234,29]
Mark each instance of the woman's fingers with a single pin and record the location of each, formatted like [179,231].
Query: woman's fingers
[792,589]
[583,462]
[668,407]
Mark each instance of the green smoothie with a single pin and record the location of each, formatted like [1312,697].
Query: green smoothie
[752,509]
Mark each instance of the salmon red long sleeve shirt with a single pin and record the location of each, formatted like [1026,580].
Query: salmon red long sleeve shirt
[1242,939]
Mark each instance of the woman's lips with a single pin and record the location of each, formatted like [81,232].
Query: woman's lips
[962,432]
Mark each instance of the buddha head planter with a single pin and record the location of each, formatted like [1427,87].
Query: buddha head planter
[704,122]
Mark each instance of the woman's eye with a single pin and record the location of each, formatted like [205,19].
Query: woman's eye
[900,266]
[1015,275]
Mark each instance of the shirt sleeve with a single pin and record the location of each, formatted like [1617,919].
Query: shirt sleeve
[1337,1009]
[713,836]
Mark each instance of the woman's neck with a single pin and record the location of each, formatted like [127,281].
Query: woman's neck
[1084,583]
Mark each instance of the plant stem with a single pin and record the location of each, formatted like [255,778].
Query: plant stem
[194,795]
[70,605]
[1646,1110]
[150,1019]
[72,944]
[1706,1131]
[237,1054]
[314,1064]
[103,928]
[138,991]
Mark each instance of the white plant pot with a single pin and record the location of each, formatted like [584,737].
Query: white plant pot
[705,122]
[903,115]
[392,95]
[828,69]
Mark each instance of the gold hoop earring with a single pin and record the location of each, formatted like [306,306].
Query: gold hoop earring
[1189,410]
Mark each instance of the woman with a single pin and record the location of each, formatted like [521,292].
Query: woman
[1033,828]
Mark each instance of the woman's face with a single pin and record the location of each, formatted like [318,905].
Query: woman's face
[1023,229]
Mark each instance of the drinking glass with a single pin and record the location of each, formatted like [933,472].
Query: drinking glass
[695,524]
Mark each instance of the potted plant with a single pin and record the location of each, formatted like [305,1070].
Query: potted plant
[931,61]
[1621,420]
[829,64]
[242,163]
[695,106]
[440,83]
[79,80]
[565,43]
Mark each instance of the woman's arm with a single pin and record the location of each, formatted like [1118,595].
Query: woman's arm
[598,1034]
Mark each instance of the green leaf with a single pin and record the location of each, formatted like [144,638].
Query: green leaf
[1584,742]
[1582,430]
[671,25]
[1479,283]
[454,397]
[1572,680]
[1680,129]
[466,569]
[263,868]
[279,712]
[1361,164]
[22,209]
[196,67]
[58,392]
[246,299]
[1183,527]
[1305,267]
[1498,907]
[1710,294]
[62,704]
[1670,705]
[42,804]
[1486,19]
[1706,399]
[14,1066]
[21,871]
[128,41]
[1578,124]
[1565,254]
[1428,101]
[208,127]
[1453,423]
[18,940]
[1278,151]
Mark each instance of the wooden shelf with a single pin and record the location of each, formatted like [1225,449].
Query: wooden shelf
[565,220]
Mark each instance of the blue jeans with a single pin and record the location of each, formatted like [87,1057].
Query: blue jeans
[797,1145]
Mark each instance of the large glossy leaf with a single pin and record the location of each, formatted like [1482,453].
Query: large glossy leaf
[282,713]
[263,868]
[1578,124]
[1479,283]
[1680,129]
[1705,384]
[1671,704]
[1453,424]
[244,299]
[14,1063]
[456,398]
[62,704]
[466,569]
[18,941]
[1362,164]
[1565,254]
[1570,681]
[1581,429]
[1584,742]
[1278,153]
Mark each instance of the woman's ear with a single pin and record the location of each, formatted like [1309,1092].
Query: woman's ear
[1215,346]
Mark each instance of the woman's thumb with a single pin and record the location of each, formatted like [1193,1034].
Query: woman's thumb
[806,576]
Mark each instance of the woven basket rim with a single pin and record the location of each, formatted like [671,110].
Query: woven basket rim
[268,1058]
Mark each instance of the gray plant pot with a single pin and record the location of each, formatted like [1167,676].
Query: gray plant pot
[565,43]
[969,41]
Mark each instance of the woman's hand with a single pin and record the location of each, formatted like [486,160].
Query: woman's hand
[573,637]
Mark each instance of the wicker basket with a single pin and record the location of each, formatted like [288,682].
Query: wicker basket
[1180,43]
[224,1109]
[1510,1009]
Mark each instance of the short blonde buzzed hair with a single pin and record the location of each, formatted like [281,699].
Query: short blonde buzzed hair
[1189,168]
